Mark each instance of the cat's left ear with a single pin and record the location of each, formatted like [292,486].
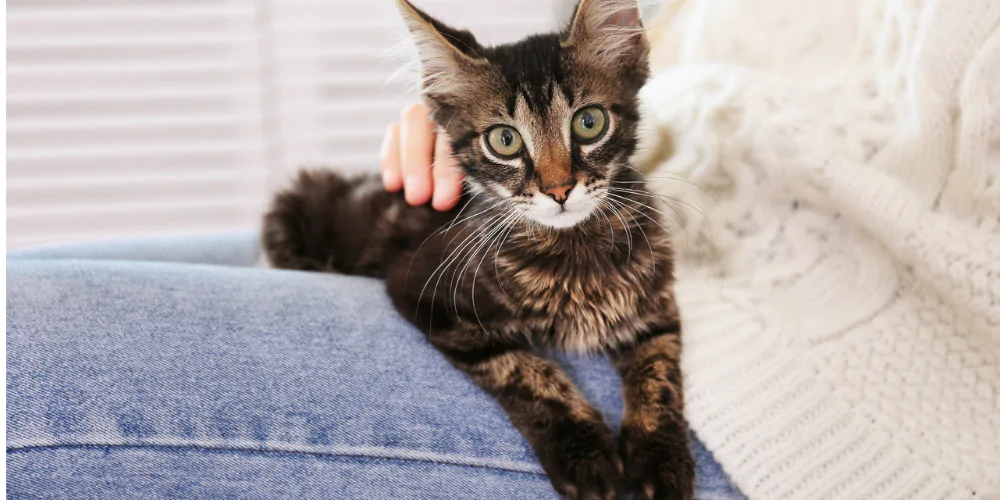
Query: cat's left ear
[609,30]
[449,57]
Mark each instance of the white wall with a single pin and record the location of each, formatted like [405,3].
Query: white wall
[172,116]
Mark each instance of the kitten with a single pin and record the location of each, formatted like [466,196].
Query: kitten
[553,244]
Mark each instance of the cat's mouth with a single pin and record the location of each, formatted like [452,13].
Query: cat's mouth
[579,206]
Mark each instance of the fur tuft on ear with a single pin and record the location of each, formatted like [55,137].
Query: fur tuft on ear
[448,57]
[611,31]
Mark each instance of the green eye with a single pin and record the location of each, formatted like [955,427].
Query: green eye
[504,141]
[589,124]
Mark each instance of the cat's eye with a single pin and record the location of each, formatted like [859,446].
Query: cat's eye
[504,141]
[589,124]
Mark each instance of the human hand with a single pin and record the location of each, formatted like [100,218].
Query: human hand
[417,159]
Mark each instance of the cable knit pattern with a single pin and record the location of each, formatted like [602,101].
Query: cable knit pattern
[838,166]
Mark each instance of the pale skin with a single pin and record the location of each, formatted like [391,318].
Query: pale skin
[416,158]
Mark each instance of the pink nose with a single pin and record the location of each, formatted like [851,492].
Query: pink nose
[560,192]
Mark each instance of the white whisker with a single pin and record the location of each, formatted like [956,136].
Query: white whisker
[630,210]
[628,232]
[511,215]
[487,242]
[496,257]
[445,263]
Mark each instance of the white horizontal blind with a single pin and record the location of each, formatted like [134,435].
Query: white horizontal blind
[174,116]
[130,118]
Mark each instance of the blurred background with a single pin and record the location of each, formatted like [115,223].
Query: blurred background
[130,118]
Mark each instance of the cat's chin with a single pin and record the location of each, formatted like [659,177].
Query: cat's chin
[566,220]
[561,219]
[578,208]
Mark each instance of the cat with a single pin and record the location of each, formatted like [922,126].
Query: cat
[554,243]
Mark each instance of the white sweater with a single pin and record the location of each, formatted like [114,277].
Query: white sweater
[841,295]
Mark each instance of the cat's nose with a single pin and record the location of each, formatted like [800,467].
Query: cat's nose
[561,192]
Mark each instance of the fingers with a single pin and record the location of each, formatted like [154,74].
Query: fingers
[408,150]
[416,134]
[446,174]
[392,177]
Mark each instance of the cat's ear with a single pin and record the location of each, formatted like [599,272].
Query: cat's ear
[448,57]
[609,30]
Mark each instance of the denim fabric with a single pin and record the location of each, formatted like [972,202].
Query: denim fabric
[140,379]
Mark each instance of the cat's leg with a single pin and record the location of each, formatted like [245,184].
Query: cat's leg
[653,440]
[575,446]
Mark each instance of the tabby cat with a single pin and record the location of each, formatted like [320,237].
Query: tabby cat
[554,243]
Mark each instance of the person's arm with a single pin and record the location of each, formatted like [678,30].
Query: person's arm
[417,159]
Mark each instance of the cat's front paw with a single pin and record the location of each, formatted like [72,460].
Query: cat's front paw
[581,461]
[658,464]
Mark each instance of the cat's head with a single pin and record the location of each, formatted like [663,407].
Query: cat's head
[542,124]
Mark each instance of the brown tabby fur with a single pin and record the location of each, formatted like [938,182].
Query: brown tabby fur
[488,286]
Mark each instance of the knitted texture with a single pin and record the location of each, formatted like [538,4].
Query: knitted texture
[837,166]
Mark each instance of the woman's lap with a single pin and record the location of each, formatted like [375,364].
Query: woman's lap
[134,378]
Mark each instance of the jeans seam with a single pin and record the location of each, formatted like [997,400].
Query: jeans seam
[263,451]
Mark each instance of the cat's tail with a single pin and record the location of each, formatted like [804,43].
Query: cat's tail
[328,222]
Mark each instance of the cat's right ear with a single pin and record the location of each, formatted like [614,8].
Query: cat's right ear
[449,58]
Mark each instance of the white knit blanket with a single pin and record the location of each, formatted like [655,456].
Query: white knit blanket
[841,297]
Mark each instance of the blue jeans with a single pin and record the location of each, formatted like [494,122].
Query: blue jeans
[173,368]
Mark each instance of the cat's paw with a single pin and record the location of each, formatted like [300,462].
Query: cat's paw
[582,462]
[658,464]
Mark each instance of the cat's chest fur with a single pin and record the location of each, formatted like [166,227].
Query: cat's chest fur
[586,295]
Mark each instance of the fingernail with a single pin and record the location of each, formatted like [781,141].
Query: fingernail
[415,186]
[437,199]
[390,180]
[445,198]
